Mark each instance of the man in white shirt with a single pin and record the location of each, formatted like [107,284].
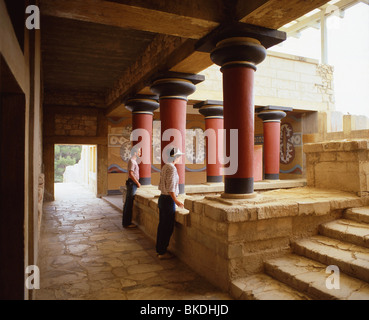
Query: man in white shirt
[168,186]
[132,184]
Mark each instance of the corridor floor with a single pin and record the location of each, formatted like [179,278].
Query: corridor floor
[85,254]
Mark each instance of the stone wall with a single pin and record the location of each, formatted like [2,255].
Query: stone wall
[75,125]
[78,126]
[341,165]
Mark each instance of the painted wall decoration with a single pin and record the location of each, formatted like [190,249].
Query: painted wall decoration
[287,148]
[119,147]
[291,153]
[114,168]
[119,131]
[156,141]
[195,146]
[291,145]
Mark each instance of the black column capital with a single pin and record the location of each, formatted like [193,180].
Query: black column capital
[210,108]
[142,104]
[175,85]
[272,113]
[242,51]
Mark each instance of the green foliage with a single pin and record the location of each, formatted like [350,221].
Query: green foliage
[65,155]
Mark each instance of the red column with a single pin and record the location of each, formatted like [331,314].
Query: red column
[271,149]
[142,108]
[271,117]
[173,89]
[238,58]
[173,116]
[213,113]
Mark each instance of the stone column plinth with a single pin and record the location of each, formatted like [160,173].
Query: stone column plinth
[213,112]
[271,116]
[173,90]
[142,108]
[238,58]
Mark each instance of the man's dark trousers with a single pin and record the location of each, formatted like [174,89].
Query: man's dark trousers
[167,210]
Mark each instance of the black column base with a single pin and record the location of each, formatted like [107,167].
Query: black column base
[214,179]
[145,181]
[181,188]
[271,176]
[238,185]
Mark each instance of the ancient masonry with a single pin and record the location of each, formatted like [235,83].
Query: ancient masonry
[75,125]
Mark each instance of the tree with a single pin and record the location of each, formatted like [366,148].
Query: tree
[65,155]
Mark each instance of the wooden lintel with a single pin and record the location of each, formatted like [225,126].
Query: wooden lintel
[75,99]
[128,16]
[76,140]
[63,109]
[276,13]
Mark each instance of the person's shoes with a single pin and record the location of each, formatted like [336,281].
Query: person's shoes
[131,226]
[165,256]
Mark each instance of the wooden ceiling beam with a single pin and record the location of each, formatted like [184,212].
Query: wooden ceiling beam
[276,13]
[211,10]
[161,55]
[129,17]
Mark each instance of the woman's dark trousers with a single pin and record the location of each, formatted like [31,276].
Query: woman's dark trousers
[167,210]
[128,204]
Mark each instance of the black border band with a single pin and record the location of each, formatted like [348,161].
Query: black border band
[214,178]
[239,185]
[271,176]
[145,181]
[181,188]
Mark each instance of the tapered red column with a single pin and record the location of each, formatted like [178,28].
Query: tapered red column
[238,58]
[271,116]
[142,108]
[214,124]
[173,90]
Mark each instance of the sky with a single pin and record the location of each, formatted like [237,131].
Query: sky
[348,52]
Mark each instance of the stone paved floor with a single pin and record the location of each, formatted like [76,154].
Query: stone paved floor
[86,254]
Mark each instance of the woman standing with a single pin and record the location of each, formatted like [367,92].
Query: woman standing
[168,186]
[132,184]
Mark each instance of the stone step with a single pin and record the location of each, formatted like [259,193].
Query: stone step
[263,287]
[358,214]
[350,259]
[347,230]
[310,277]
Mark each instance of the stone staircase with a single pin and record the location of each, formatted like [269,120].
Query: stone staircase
[302,274]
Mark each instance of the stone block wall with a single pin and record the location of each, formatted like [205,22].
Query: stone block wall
[75,125]
[341,165]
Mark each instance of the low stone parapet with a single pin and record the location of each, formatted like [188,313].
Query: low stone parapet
[341,165]
[225,239]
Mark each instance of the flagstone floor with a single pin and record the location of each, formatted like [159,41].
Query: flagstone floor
[85,254]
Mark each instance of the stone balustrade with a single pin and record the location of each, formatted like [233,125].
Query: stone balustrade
[341,165]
